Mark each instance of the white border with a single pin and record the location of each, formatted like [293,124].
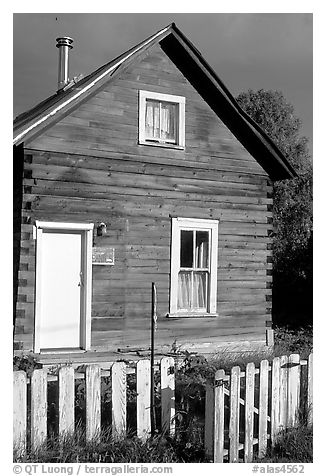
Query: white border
[193,223]
[180,100]
[87,243]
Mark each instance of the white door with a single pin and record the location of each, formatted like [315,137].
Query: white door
[63,286]
[61,289]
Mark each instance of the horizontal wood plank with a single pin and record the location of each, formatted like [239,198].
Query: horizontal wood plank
[89,167]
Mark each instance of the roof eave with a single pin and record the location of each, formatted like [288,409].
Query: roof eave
[279,167]
[81,87]
[283,169]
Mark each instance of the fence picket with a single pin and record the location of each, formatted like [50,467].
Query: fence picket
[219,417]
[263,408]
[19,410]
[119,399]
[275,406]
[167,395]
[38,407]
[93,401]
[310,390]
[234,415]
[214,418]
[283,390]
[66,380]
[249,412]
[143,399]
[293,390]
[209,421]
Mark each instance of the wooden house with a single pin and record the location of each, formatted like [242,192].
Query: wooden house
[147,170]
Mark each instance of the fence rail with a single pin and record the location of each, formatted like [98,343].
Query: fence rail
[244,411]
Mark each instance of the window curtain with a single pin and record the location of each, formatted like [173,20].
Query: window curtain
[160,120]
[201,251]
[199,293]
[184,290]
[168,121]
[152,119]
[192,290]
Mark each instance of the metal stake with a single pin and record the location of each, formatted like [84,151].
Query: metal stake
[153,329]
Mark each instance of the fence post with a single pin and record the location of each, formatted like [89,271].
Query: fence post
[153,330]
[38,407]
[275,409]
[209,420]
[93,401]
[19,410]
[168,395]
[263,408]
[283,390]
[249,412]
[143,399]
[310,389]
[234,415]
[119,398]
[293,390]
[219,417]
[214,419]
[66,380]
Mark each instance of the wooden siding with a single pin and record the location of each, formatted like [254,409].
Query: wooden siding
[89,167]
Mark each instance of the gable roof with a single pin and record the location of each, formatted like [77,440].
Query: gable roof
[199,73]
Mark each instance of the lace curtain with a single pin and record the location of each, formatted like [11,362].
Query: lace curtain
[160,120]
[192,290]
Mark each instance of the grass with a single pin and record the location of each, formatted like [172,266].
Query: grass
[294,445]
[75,449]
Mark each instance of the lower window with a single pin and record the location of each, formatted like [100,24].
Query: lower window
[193,266]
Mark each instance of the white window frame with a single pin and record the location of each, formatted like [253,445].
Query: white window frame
[179,224]
[180,126]
[86,316]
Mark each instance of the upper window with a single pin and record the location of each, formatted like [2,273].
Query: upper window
[193,267]
[161,119]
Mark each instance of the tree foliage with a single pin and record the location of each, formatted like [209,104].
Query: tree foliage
[292,244]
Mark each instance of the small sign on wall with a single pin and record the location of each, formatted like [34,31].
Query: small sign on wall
[103,256]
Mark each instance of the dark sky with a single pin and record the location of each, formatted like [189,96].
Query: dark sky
[247,50]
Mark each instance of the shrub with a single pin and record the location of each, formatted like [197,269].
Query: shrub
[26,363]
[289,341]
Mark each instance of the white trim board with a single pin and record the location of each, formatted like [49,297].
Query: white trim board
[193,224]
[180,132]
[86,231]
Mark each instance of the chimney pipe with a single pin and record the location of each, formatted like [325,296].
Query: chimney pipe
[64,44]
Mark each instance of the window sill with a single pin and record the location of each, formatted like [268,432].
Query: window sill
[61,351]
[165,145]
[197,315]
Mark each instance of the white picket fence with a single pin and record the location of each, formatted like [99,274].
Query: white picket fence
[277,387]
[276,390]
[66,400]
